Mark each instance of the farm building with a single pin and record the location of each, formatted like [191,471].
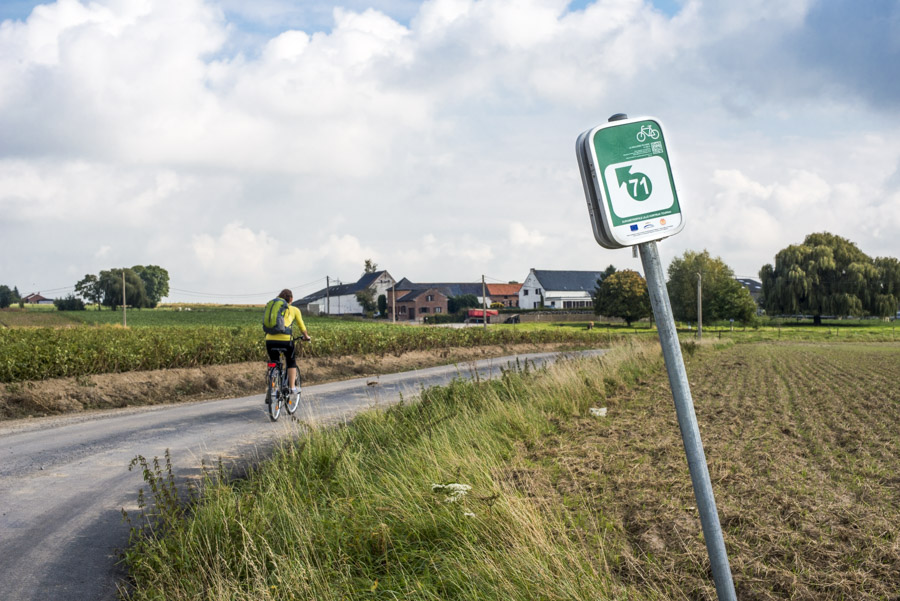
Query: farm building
[405,288]
[558,289]
[417,304]
[340,299]
[505,294]
[35,298]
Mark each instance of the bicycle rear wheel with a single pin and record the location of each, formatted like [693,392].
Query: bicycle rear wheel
[273,394]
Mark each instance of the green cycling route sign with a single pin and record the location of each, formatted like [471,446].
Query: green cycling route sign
[628,182]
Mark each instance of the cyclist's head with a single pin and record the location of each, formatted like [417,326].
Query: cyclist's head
[287,295]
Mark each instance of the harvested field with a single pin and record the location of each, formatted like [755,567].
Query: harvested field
[803,444]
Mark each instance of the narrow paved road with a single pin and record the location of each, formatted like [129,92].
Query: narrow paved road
[64,481]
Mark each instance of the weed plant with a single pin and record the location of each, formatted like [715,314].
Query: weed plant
[435,499]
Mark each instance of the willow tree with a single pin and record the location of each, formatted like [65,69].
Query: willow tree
[829,275]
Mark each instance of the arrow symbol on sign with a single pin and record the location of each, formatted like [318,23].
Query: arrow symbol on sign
[637,184]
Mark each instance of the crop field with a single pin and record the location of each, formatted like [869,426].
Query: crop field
[43,353]
[553,502]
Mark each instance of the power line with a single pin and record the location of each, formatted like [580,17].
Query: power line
[241,295]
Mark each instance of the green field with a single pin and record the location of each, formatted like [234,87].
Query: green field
[41,343]
[801,441]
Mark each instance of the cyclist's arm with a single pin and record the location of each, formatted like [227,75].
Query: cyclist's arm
[298,319]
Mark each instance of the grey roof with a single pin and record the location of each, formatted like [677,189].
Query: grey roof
[568,281]
[414,294]
[752,285]
[342,289]
[448,289]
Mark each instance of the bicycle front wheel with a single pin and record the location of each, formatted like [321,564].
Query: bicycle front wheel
[292,403]
[273,394]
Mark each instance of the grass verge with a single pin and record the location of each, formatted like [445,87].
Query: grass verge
[800,439]
[354,513]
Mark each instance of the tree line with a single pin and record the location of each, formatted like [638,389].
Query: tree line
[826,275]
[145,286]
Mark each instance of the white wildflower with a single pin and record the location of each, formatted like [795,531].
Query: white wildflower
[598,411]
[469,514]
[454,491]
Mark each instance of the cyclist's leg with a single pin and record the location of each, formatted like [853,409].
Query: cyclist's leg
[292,366]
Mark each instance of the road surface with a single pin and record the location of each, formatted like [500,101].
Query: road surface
[64,481]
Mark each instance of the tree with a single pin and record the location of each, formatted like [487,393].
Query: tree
[89,289]
[611,269]
[110,283]
[723,296]
[156,282]
[370,266]
[462,302]
[382,305]
[70,303]
[7,296]
[886,289]
[623,294]
[366,299]
[828,275]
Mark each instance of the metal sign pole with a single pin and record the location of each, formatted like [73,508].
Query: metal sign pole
[687,422]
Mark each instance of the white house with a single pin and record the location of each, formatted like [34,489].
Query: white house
[558,289]
[340,299]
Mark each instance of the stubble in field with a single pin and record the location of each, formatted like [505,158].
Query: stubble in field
[804,454]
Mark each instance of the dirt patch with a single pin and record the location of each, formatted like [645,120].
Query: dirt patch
[802,447]
[108,391]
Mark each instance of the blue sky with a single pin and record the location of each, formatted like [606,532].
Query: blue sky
[436,138]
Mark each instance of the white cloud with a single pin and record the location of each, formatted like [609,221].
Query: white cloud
[441,147]
[519,235]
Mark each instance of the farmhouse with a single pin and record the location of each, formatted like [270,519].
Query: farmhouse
[558,289]
[341,299]
[505,294]
[404,288]
[35,298]
[417,304]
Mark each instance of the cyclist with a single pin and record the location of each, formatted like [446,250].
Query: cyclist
[276,342]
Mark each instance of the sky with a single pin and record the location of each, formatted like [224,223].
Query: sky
[250,146]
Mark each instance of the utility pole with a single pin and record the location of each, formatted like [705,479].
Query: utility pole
[699,306]
[394,302]
[124,306]
[483,303]
[327,296]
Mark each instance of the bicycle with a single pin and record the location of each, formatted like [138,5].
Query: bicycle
[647,130]
[278,388]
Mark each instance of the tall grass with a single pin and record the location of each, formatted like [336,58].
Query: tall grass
[354,512]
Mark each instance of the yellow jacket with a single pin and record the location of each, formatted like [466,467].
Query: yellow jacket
[291,316]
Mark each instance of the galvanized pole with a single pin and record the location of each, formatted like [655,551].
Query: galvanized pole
[687,422]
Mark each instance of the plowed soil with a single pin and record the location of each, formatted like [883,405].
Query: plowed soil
[803,446]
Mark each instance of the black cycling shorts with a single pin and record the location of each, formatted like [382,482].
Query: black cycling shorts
[273,346]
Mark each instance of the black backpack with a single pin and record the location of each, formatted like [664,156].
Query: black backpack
[273,320]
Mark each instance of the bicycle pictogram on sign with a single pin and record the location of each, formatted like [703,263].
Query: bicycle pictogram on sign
[647,131]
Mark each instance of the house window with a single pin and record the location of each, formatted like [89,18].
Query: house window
[429,298]
[525,293]
[403,309]
[537,290]
[423,310]
[437,310]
